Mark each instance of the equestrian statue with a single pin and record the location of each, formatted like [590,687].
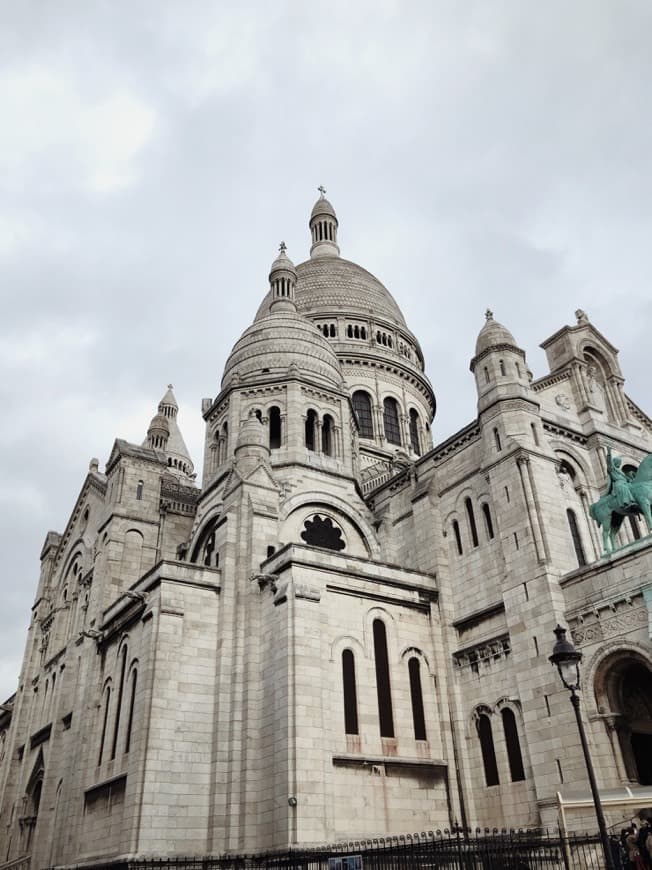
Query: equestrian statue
[626,495]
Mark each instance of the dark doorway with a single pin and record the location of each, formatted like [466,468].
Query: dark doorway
[642,752]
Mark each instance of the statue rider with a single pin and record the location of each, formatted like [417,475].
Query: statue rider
[618,482]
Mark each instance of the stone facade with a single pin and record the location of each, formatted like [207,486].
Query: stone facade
[345,632]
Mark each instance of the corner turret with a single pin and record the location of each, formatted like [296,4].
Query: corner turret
[499,365]
[323,228]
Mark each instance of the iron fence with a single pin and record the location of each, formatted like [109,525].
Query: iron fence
[432,850]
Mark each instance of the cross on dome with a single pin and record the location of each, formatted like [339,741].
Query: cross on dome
[489,314]
[282,247]
[322,190]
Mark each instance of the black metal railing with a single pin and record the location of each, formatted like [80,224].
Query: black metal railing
[444,850]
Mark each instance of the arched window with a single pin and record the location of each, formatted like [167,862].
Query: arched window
[499,446]
[471,518]
[274,427]
[105,720]
[458,537]
[327,435]
[362,408]
[363,332]
[349,331]
[575,535]
[311,422]
[535,434]
[416,695]
[203,552]
[350,695]
[489,526]
[486,375]
[123,667]
[385,713]
[502,367]
[414,432]
[390,421]
[132,701]
[513,745]
[139,490]
[488,750]
[333,331]
[633,522]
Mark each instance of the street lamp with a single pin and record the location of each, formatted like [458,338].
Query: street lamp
[567,660]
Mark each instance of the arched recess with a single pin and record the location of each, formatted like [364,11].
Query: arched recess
[623,691]
[205,550]
[360,536]
[483,725]
[33,793]
[132,554]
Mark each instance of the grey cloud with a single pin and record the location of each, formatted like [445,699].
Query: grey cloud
[485,153]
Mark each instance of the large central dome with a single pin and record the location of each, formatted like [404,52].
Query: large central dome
[330,284]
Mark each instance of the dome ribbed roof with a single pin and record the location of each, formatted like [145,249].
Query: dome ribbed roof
[334,284]
[322,207]
[160,422]
[280,340]
[492,334]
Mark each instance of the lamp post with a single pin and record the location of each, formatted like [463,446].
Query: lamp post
[567,660]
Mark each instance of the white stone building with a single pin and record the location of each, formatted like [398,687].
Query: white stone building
[345,632]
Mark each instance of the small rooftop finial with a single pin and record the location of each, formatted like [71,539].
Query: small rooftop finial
[322,190]
[282,247]
[489,314]
[170,387]
[582,316]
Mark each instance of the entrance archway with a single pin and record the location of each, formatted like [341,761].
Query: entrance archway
[636,701]
[624,689]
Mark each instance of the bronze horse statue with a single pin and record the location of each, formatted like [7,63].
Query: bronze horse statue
[626,497]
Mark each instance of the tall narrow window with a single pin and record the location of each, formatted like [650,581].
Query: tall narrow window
[418,716]
[633,522]
[274,428]
[362,407]
[458,537]
[385,713]
[486,375]
[350,695]
[502,368]
[123,668]
[471,517]
[488,750]
[132,701]
[390,420]
[575,535]
[499,446]
[311,421]
[513,745]
[535,434]
[105,720]
[414,431]
[139,490]
[489,526]
[327,435]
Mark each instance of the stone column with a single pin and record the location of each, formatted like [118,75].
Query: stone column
[523,463]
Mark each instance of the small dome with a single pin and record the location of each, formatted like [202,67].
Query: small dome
[282,263]
[322,207]
[160,423]
[493,334]
[277,342]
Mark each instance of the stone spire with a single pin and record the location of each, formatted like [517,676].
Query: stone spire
[164,434]
[282,282]
[323,228]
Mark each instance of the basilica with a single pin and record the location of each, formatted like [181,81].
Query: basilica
[344,631]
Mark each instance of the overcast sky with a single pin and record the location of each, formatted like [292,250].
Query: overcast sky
[153,155]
